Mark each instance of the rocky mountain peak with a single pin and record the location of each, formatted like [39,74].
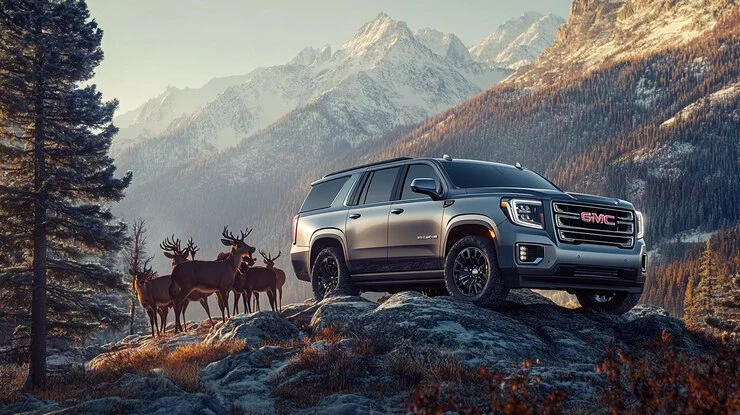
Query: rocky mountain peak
[518,41]
[380,33]
[599,31]
[444,44]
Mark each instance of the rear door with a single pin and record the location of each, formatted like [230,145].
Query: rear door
[366,228]
[414,225]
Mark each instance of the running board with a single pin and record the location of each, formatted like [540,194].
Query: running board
[399,278]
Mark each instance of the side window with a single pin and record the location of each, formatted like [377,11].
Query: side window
[323,194]
[417,171]
[380,186]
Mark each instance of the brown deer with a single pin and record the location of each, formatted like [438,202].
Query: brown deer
[198,296]
[153,294]
[270,263]
[260,279]
[240,284]
[172,250]
[141,280]
[210,276]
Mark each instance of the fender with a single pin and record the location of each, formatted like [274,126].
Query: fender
[333,233]
[467,219]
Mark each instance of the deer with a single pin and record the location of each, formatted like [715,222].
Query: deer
[259,279]
[270,264]
[239,283]
[144,295]
[210,276]
[178,256]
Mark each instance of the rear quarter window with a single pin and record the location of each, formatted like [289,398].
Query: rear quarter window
[323,194]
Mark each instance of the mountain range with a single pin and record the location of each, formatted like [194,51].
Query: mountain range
[635,99]
[242,131]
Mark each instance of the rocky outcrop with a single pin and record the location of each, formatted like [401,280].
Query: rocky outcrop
[407,327]
[255,329]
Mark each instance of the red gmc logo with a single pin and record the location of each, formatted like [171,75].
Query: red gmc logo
[598,218]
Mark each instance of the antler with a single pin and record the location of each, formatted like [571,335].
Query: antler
[230,236]
[173,246]
[268,256]
[192,247]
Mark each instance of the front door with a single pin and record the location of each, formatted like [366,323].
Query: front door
[414,226]
[366,227]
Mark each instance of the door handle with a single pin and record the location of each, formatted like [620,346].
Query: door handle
[397,211]
[354,216]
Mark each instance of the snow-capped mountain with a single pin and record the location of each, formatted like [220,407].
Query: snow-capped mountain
[155,115]
[518,41]
[598,32]
[384,69]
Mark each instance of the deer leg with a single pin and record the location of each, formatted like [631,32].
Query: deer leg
[178,312]
[165,313]
[280,299]
[245,301]
[152,322]
[204,303]
[221,305]
[257,301]
[226,302]
[272,296]
[236,303]
[184,308]
[247,297]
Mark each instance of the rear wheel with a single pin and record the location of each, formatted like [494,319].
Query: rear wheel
[330,275]
[472,274]
[612,303]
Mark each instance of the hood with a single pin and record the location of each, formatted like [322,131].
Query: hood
[547,194]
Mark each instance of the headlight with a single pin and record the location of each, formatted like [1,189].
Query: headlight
[523,212]
[640,224]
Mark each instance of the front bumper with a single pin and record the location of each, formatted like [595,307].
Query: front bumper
[569,267]
[299,258]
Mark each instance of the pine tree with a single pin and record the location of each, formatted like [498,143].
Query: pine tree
[57,234]
[701,300]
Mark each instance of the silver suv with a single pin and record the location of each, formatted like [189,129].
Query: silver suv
[470,229]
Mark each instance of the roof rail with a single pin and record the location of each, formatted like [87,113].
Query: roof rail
[369,165]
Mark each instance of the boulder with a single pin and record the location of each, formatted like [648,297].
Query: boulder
[149,395]
[341,312]
[240,382]
[256,329]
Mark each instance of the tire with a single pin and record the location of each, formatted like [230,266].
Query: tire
[330,275]
[482,285]
[615,303]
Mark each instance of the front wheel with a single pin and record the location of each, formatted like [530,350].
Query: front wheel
[612,303]
[330,275]
[472,274]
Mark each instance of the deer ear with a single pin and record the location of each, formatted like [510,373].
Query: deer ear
[226,242]
[169,255]
[130,271]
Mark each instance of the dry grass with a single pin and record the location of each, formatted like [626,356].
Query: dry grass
[12,378]
[670,381]
[182,366]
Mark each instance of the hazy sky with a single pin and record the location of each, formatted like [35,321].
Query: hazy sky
[150,44]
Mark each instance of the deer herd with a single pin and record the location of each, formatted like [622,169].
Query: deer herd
[194,280]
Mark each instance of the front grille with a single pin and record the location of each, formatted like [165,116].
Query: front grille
[588,272]
[572,229]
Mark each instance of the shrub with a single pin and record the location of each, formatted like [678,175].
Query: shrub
[12,377]
[669,381]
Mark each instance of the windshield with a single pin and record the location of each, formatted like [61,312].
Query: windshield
[471,174]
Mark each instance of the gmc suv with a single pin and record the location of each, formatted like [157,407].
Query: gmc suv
[472,229]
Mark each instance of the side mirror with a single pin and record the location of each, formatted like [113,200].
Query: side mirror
[427,187]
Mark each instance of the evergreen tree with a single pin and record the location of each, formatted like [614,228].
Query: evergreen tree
[701,299]
[58,237]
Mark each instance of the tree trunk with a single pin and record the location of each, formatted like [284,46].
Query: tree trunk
[37,366]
